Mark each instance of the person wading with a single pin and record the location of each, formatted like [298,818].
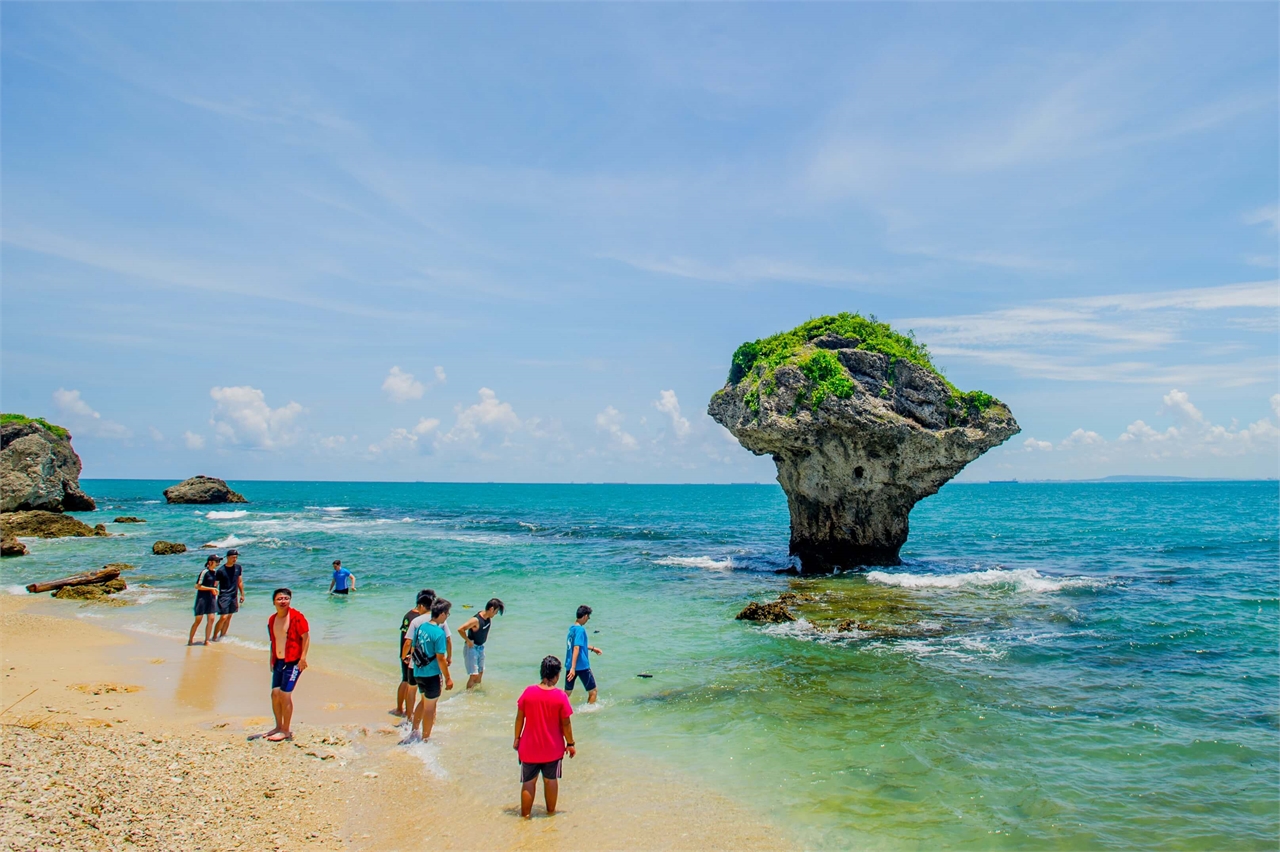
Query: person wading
[475,632]
[230,593]
[543,735]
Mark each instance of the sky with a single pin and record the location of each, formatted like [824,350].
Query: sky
[520,243]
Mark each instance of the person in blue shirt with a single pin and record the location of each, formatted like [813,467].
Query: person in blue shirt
[427,647]
[343,580]
[578,654]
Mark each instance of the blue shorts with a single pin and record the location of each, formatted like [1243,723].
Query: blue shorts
[583,676]
[284,676]
[473,656]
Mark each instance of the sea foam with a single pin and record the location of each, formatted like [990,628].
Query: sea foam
[706,562]
[1022,579]
[223,516]
[229,541]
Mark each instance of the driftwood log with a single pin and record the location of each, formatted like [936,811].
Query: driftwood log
[102,575]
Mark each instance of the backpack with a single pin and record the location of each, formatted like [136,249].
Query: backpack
[421,659]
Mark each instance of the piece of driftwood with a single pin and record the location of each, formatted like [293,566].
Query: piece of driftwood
[102,575]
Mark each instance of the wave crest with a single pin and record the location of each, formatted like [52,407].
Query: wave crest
[1022,579]
[706,562]
[227,515]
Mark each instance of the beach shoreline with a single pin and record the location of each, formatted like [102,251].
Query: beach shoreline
[162,727]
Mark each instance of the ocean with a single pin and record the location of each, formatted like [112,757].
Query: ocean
[1052,666]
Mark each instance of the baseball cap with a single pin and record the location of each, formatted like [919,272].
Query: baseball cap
[233,552]
[212,557]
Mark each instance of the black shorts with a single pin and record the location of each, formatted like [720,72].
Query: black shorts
[228,603]
[339,591]
[406,673]
[206,604]
[549,770]
[583,676]
[429,686]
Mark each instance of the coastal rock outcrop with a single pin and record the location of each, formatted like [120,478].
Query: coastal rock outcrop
[772,612]
[36,524]
[38,467]
[861,426]
[168,548]
[129,519]
[10,546]
[202,489]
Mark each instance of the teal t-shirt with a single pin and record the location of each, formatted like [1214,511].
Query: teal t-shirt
[431,638]
[577,639]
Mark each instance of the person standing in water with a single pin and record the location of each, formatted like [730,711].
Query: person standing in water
[543,735]
[475,632]
[206,599]
[577,654]
[343,580]
[230,593]
[406,693]
[290,637]
[426,646]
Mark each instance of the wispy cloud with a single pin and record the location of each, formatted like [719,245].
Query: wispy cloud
[746,270]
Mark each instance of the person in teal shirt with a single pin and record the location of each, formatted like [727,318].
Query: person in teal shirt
[427,645]
[578,653]
[343,580]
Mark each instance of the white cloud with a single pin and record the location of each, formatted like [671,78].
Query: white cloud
[192,440]
[610,420]
[401,386]
[1197,436]
[399,442]
[243,418]
[1275,405]
[1081,438]
[1266,215]
[745,270]
[426,425]
[156,434]
[1179,403]
[440,376]
[1032,445]
[489,416]
[669,405]
[82,419]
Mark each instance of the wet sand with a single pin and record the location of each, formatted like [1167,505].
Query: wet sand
[135,741]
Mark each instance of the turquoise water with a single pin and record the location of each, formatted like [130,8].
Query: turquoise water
[1054,666]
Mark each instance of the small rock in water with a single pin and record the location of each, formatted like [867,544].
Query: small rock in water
[644,674]
[773,612]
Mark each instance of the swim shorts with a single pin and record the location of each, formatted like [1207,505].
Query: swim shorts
[340,591]
[228,603]
[206,604]
[550,769]
[583,676]
[284,675]
[429,686]
[473,656]
[406,673]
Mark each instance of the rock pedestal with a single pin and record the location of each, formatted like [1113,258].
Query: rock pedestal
[203,490]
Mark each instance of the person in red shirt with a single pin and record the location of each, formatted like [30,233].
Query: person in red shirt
[290,637]
[543,735]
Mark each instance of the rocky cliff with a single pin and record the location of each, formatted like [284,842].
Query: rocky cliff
[861,426]
[38,467]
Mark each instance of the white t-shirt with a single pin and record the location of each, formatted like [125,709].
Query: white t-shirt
[426,616]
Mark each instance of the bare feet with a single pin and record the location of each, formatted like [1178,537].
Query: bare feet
[397,712]
[189,644]
[413,737]
[279,737]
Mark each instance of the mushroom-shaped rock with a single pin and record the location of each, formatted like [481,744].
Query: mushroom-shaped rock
[202,489]
[861,426]
[38,467]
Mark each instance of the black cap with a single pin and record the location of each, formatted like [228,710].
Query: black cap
[212,557]
[233,552]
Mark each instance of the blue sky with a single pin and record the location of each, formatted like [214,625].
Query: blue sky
[483,242]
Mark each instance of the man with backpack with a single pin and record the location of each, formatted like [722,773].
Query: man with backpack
[405,694]
[475,632]
[427,647]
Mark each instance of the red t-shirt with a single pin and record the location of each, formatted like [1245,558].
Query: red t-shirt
[542,741]
[297,628]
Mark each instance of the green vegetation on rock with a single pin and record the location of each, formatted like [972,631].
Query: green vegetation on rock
[22,418]
[755,362]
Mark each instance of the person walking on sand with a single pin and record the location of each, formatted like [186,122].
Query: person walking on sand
[290,637]
[427,645]
[406,693]
[543,735]
[577,654]
[206,599]
[475,632]
[343,580]
[230,593]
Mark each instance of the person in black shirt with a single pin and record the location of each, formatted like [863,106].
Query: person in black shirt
[230,593]
[206,599]
[406,693]
[476,632]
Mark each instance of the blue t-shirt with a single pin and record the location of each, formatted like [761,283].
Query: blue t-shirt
[577,638]
[432,639]
[341,579]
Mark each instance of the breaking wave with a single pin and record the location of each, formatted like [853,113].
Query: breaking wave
[705,562]
[1022,579]
[229,541]
[223,516]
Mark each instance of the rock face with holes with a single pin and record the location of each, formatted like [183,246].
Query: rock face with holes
[854,464]
[39,469]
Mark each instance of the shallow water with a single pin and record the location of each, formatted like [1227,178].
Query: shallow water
[1076,665]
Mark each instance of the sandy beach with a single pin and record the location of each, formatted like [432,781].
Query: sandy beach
[126,741]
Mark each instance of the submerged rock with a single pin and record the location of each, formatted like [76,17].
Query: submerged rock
[860,425]
[129,519]
[101,530]
[773,612]
[93,591]
[10,546]
[202,489]
[38,524]
[168,548]
[38,467]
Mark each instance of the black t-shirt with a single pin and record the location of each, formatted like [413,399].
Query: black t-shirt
[404,624]
[227,576]
[207,578]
